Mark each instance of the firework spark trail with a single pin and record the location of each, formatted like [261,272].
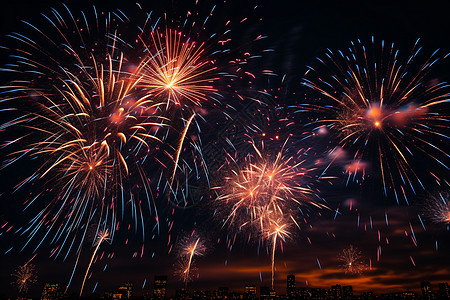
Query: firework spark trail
[352,261]
[24,275]
[193,251]
[279,232]
[180,147]
[382,106]
[101,237]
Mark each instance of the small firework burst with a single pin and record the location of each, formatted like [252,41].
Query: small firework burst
[24,276]
[351,261]
[278,232]
[189,247]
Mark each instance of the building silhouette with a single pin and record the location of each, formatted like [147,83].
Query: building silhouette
[444,291]
[160,287]
[335,292]
[126,290]
[52,291]
[347,292]
[264,293]
[290,287]
[250,292]
[318,294]
[425,287]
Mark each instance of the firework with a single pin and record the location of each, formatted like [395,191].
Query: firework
[263,197]
[89,127]
[437,208]
[352,261]
[24,276]
[102,236]
[177,69]
[382,107]
[265,188]
[189,247]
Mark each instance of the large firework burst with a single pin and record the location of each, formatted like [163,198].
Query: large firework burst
[264,196]
[89,127]
[382,107]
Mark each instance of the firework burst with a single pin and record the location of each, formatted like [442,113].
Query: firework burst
[264,197]
[278,232]
[177,69]
[89,127]
[24,276]
[351,260]
[383,108]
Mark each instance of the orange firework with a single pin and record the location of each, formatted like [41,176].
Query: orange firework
[264,188]
[263,197]
[177,69]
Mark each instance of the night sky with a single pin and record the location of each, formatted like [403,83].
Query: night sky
[298,32]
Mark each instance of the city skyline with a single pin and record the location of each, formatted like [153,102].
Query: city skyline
[54,290]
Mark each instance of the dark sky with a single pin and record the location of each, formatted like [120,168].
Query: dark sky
[298,31]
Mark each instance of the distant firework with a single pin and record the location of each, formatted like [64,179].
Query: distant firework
[278,232]
[24,275]
[351,260]
[382,107]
